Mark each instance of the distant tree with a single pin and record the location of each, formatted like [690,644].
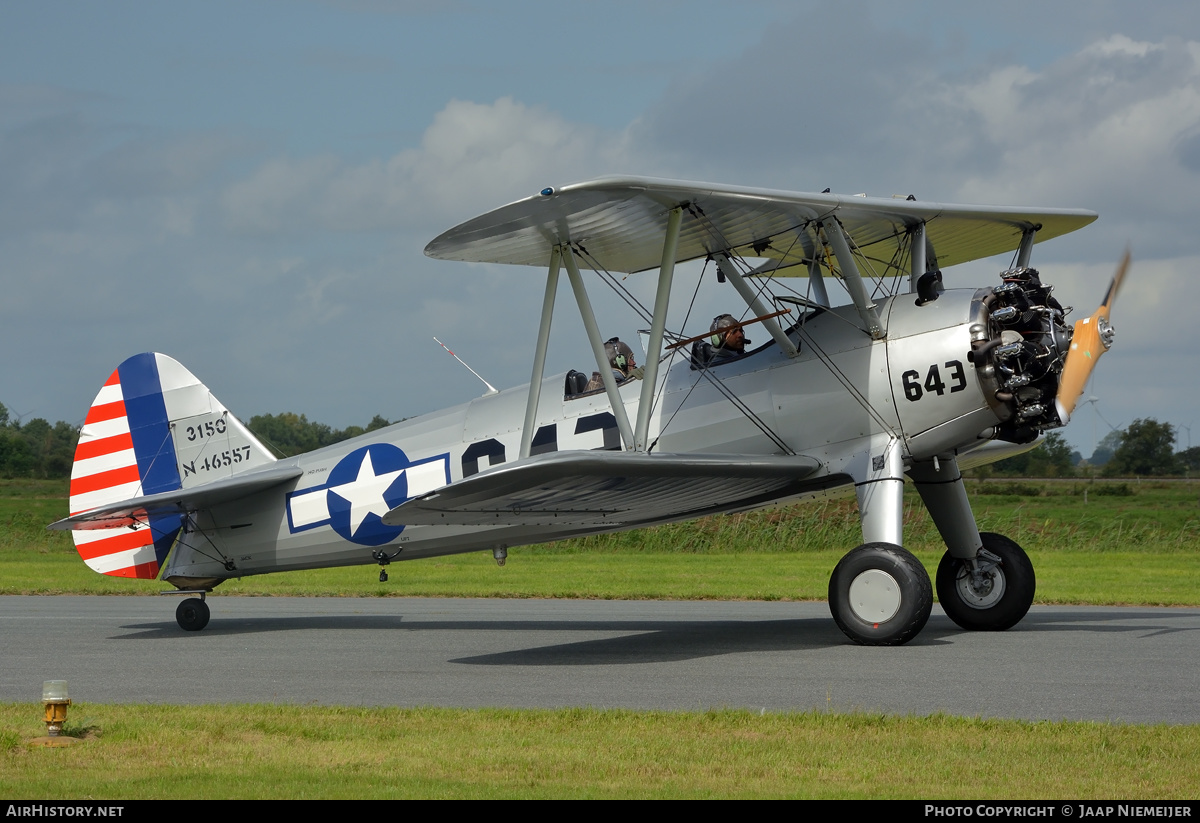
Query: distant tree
[1052,458]
[15,459]
[1015,466]
[378,422]
[293,434]
[61,454]
[1107,446]
[1147,448]
[36,449]
[1190,458]
[347,433]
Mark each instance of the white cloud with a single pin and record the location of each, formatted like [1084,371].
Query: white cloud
[471,156]
[1119,44]
[1113,125]
[1100,128]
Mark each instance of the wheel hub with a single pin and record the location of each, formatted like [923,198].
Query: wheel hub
[981,589]
[875,596]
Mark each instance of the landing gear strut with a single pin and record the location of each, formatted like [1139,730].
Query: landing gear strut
[992,593]
[192,614]
[880,595]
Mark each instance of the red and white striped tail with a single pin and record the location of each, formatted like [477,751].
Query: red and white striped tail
[106,471]
[153,428]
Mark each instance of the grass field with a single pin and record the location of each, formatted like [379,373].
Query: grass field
[185,752]
[1101,543]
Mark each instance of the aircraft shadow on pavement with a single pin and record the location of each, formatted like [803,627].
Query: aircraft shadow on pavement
[650,641]
[634,641]
[671,641]
[225,626]
[1110,620]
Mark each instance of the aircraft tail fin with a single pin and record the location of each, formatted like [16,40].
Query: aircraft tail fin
[152,428]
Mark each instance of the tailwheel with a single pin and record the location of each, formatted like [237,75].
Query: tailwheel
[880,595]
[995,593]
[192,614]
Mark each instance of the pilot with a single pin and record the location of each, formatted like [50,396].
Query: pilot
[620,358]
[725,345]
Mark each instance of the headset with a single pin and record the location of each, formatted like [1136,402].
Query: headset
[719,331]
[618,360]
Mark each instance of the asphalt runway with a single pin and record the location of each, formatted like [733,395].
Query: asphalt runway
[1113,664]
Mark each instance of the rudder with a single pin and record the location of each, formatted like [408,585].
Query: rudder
[153,427]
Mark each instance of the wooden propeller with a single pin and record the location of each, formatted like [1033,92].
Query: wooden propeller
[1093,337]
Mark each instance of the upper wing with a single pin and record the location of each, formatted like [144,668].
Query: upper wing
[620,223]
[178,501]
[612,489]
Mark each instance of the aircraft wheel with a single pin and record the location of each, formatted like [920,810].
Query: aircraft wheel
[995,599]
[880,595]
[192,614]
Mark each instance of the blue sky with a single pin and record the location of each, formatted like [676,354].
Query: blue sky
[248,186]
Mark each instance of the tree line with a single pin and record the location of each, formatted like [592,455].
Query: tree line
[1144,448]
[38,449]
[291,434]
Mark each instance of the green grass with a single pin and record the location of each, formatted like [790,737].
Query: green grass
[295,752]
[1138,546]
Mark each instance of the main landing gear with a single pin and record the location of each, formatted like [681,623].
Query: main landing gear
[192,614]
[880,595]
[991,594]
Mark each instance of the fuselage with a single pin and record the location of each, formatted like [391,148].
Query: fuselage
[917,387]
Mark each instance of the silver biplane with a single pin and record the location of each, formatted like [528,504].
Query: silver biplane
[907,379]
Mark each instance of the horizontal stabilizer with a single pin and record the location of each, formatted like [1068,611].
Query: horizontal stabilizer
[139,510]
[608,488]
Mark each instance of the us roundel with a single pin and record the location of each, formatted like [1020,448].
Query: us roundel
[363,487]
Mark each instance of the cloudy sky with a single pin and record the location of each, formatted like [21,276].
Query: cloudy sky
[248,186]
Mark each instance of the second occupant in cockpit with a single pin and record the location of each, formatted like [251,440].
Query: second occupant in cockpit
[620,357]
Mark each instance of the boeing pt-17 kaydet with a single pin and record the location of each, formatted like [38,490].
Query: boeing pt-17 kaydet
[907,379]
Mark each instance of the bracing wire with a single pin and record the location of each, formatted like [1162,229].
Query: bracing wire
[646,316]
[198,548]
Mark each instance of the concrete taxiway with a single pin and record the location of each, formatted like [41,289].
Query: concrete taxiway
[1095,663]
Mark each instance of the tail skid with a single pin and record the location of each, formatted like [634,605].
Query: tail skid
[153,428]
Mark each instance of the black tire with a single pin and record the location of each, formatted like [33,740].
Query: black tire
[1002,599]
[885,616]
[192,614]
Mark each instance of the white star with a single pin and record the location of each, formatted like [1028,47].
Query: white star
[365,492]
